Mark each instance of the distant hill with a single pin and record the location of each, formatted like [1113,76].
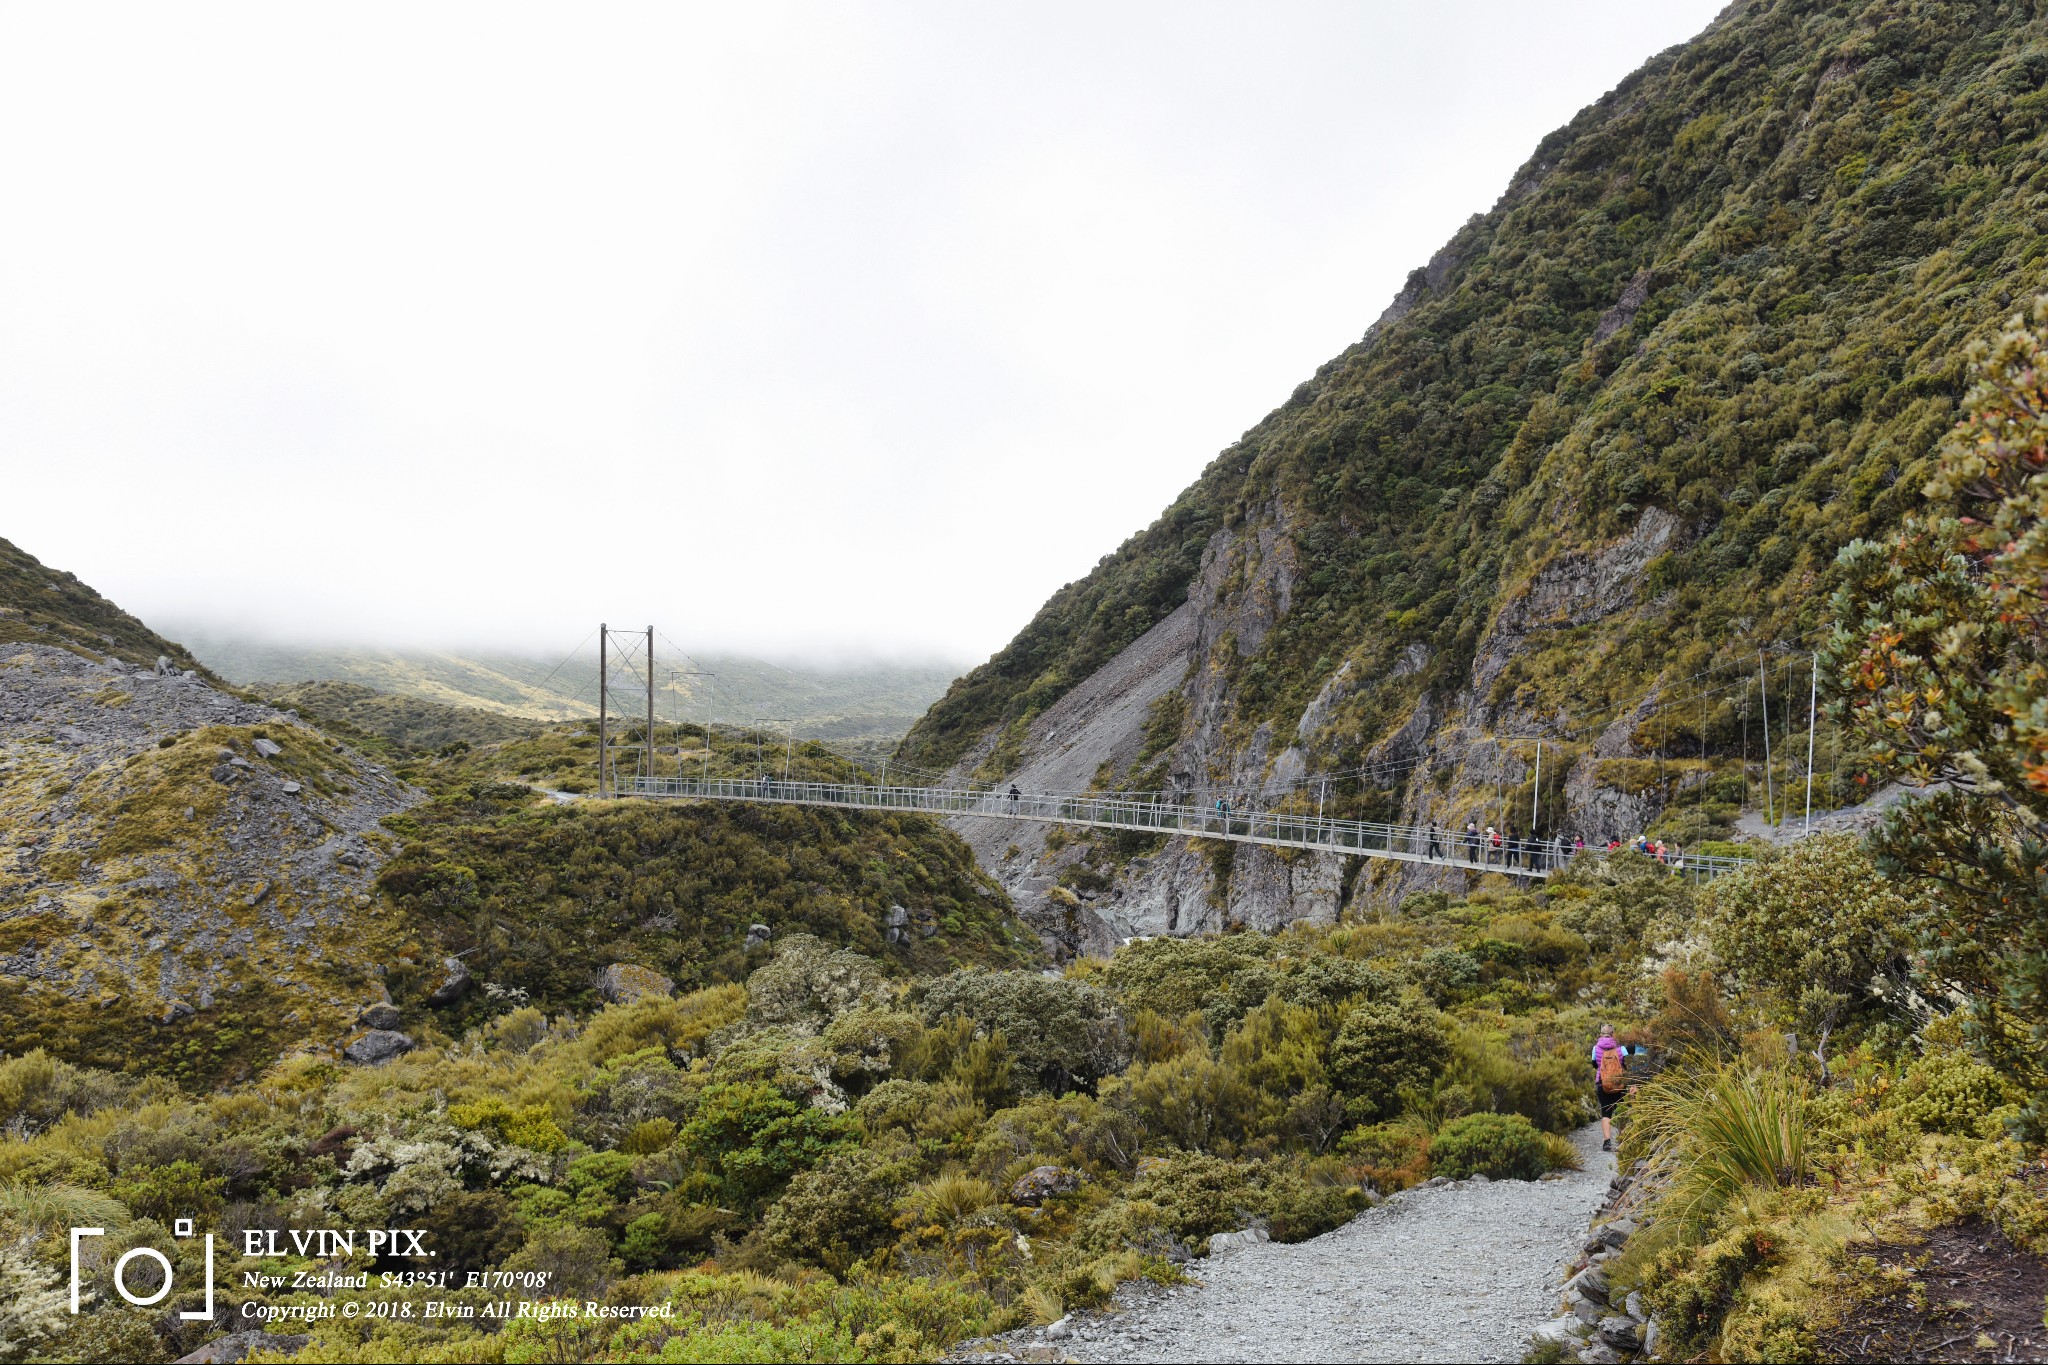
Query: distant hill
[399,726]
[868,702]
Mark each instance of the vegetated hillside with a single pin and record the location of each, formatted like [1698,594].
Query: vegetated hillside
[399,725]
[869,701]
[194,882]
[1587,472]
[540,896]
[48,606]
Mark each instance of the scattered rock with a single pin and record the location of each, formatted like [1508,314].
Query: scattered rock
[1600,1353]
[1592,1282]
[268,749]
[1041,1183]
[1061,1330]
[897,922]
[237,761]
[175,1011]
[1619,1332]
[451,989]
[376,1046]
[1617,1233]
[163,666]
[382,1015]
[758,934]
[1223,1243]
[231,1348]
[1633,1306]
[291,789]
[624,981]
[1650,1335]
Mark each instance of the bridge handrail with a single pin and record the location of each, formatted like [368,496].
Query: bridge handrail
[1419,843]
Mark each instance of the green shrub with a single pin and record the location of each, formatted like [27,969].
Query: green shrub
[757,1139]
[1552,1089]
[1498,1146]
[1446,975]
[1061,1034]
[1174,977]
[836,1213]
[1381,1050]
[1187,1197]
[1953,1092]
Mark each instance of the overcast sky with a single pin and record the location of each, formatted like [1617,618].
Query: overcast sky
[832,328]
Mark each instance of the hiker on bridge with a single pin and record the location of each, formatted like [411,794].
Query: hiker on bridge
[1471,841]
[1014,794]
[1435,849]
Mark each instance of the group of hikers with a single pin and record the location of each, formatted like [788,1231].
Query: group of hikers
[1508,849]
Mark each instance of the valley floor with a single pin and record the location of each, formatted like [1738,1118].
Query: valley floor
[1457,1272]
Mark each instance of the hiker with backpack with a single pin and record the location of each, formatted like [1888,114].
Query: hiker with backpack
[1610,1081]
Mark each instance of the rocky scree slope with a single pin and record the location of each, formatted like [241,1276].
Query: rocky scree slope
[185,874]
[1594,460]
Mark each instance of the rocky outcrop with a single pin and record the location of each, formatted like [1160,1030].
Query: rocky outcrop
[376,1046]
[626,981]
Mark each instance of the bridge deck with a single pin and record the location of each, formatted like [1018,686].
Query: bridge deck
[1274,829]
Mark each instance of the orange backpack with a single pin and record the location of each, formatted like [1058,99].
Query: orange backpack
[1611,1075]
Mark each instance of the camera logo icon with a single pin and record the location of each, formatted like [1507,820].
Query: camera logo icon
[181,1230]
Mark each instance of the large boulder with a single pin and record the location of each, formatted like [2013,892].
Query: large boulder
[1041,1183]
[624,981]
[375,1046]
[452,987]
[382,1015]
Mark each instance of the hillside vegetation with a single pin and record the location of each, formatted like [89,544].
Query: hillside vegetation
[195,883]
[41,605]
[1603,449]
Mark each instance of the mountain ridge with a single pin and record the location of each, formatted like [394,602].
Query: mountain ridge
[1591,465]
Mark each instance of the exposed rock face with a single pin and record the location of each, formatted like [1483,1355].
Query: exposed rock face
[623,981]
[1244,589]
[376,1046]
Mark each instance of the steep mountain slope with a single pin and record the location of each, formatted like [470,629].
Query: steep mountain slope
[41,605]
[1580,482]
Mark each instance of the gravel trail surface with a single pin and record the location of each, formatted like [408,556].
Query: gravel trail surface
[1456,1272]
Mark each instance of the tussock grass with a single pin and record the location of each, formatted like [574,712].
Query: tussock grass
[1720,1130]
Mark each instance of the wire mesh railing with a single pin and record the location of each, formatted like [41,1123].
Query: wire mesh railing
[1528,858]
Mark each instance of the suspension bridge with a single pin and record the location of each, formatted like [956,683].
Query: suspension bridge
[1533,859]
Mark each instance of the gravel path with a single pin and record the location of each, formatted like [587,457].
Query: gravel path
[1457,1272]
